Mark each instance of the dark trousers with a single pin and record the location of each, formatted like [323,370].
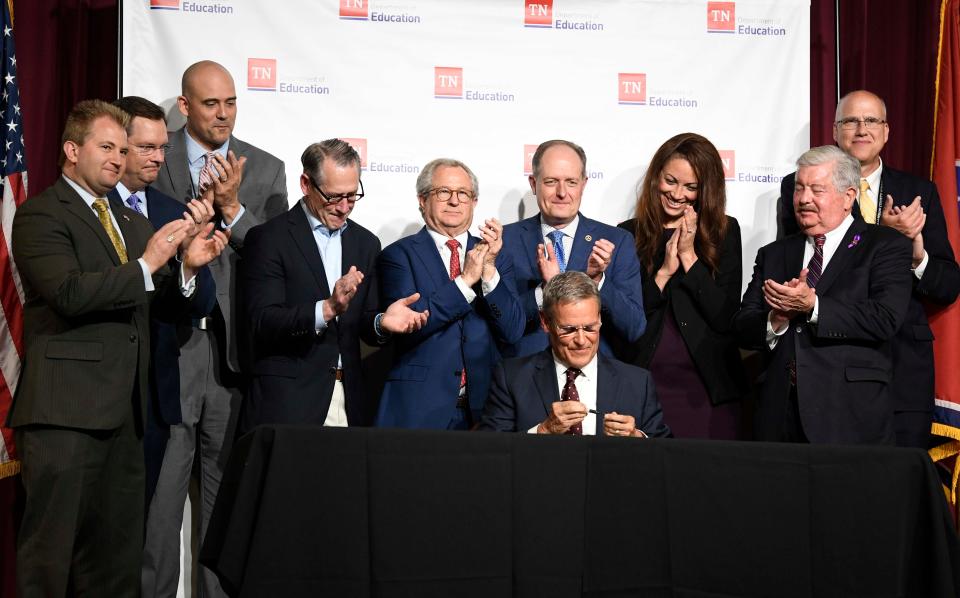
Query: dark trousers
[82,529]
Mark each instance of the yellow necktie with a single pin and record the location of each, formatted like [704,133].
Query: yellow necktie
[868,207]
[100,205]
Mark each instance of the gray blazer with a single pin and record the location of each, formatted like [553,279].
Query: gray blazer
[263,193]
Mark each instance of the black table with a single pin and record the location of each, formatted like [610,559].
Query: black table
[360,512]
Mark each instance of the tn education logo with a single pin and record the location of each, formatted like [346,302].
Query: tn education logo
[729,160]
[164,4]
[359,144]
[448,82]
[722,17]
[528,151]
[262,74]
[632,88]
[357,10]
[538,13]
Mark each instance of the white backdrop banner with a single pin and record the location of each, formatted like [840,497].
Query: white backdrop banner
[485,81]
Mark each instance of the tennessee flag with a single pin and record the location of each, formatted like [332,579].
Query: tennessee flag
[945,322]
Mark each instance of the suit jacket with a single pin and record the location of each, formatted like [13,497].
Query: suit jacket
[524,389]
[913,380]
[283,277]
[86,316]
[263,193]
[422,386]
[843,362]
[621,303]
[703,305]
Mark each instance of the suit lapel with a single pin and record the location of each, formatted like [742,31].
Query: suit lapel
[75,204]
[793,256]
[545,380]
[305,242]
[530,237]
[841,257]
[177,168]
[131,236]
[426,251]
[608,389]
[582,245]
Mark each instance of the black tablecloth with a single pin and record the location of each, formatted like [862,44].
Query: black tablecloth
[385,513]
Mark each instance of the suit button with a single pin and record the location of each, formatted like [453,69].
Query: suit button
[133,338]
[798,329]
[683,323]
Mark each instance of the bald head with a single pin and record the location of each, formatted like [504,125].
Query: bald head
[860,128]
[209,101]
[857,96]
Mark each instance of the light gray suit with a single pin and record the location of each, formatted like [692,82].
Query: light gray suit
[210,369]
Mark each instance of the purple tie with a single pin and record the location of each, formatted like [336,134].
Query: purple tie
[134,202]
[815,266]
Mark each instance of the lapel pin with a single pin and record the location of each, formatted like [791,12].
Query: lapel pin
[856,239]
[588,238]
[125,217]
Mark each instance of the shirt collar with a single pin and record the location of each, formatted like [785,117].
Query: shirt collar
[589,370]
[317,225]
[836,235]
[569,230]
[873,179]
[196,152]
[441,239]
[84,194]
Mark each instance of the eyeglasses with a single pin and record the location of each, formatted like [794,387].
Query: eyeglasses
[852,124]
[146,150]
[351,197]
[444,194]
[566,331]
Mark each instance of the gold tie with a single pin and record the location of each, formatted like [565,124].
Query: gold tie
[868,207]
[100,205]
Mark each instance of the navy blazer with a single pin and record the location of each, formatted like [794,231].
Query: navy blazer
[621,296]
[294,368]
[164,344]
[843,363]
[422,386]
[525,388]
[913,384]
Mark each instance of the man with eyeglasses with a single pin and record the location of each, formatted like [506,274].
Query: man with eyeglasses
[560,238]
[310,294]
[147,139]
[911,205]
[249,186]
[570,388]
[441,373]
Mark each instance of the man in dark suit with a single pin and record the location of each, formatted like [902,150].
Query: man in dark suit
[569,388]
[249,187]
[147,140]
[78,409]
[310,291]
[912,206]
[441,374]
[825,328]
[560,238]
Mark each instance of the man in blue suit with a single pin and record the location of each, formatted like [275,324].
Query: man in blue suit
[441,373]
[559,238]
[147,138]
[569,388]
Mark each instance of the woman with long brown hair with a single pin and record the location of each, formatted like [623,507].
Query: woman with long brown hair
[689,252]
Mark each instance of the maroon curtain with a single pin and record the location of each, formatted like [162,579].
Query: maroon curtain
[66,52]
[890,48]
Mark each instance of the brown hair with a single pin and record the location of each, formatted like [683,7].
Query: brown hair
[80,121]
[710,206]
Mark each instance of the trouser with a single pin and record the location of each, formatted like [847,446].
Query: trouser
[82,527]
[210,400]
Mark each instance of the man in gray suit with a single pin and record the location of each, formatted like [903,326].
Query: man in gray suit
[249,187]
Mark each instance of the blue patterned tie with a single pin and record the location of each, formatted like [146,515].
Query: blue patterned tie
[556,237]
[134,202]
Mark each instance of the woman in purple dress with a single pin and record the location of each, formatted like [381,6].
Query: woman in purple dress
[689,252]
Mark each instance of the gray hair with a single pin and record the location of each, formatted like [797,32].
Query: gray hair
[425,180]
[543,147]
[846,168]
[341,152]
[568,287]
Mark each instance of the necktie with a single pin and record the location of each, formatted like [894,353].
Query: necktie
[206,173]
[815,266]
[454,245]
[134,202]
[570,394]
[868,207]
[103,212]
[556,237]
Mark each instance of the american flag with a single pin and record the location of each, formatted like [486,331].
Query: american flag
[13,168]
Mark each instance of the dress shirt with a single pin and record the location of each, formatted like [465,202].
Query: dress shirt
[569,234]
[440,240]
[834,238]
[586,388]
[187,287]
[196,158]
